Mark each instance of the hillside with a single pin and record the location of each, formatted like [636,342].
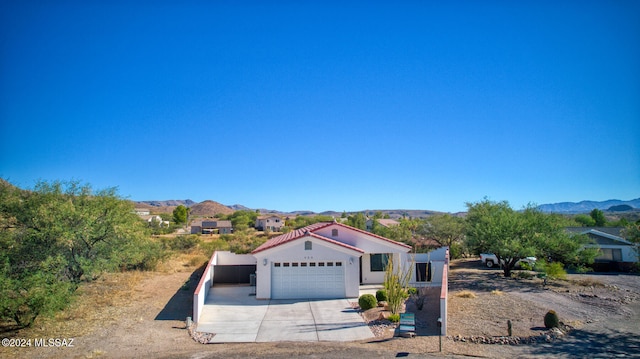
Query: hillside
[209,209]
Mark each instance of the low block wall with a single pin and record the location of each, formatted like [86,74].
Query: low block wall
[202,290]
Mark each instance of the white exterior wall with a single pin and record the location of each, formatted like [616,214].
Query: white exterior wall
[370,245]
[226,258]
[294,252]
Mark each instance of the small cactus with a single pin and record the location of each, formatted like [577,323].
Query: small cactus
[551,320]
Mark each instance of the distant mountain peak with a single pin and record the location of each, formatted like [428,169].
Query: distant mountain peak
[587,206]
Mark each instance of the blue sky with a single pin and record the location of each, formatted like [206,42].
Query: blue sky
[322,105]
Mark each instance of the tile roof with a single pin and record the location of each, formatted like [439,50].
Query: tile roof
[310,229]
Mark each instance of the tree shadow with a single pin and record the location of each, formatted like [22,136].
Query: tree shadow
[180,306]
[588,344]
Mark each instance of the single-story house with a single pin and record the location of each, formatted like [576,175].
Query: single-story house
[615,252]
[211,227]
[272,223]
[323,260]
[142,211]
[150,219]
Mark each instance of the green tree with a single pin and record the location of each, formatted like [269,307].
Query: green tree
[59,234]
[598,217]
[493,227]
[584,220]
[447,230]
[357,220]
[496,228]
[180,214]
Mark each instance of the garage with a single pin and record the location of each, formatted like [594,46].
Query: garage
[303,280]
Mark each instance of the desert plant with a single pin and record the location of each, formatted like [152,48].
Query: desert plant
[381,295]
[555,270]
[367,301]
[466,294]
[396,283]
[551,320]
[394,318]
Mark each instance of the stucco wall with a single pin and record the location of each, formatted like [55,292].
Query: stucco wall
[294,251]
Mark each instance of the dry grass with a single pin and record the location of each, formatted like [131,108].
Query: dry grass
[497,292]
[588,282]
[466,294]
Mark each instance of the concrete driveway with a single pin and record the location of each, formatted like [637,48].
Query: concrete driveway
[234,315]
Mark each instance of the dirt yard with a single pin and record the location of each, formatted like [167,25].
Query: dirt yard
[142,315]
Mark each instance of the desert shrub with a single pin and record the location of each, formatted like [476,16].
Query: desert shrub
[526,266]
[524,275]
[367,301]
[551,320]
[466,294]
[183,243]
[394,318]
[381,295]
[555,270]
[497,292]
[412,291]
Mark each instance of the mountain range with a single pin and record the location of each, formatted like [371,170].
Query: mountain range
[211,208]
[588,206]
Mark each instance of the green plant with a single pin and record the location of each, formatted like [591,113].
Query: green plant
[525,275]
[526,266]
[367,301]
[381,295]
[551,320]
[396,283]
[412,291]
[555,270]
[394,318]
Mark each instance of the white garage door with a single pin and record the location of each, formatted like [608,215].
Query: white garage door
[297,280]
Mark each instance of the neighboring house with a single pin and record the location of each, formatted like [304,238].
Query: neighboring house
[154,218]
[385,222]
[615,252]
[323,260]
[272,223]
[142,211]
[211,227]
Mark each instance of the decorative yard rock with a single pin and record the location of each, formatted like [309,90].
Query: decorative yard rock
[547,337]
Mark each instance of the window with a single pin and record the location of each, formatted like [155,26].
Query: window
[329,264]
[303,264]
[423,272]
[320,264]
[312,264]
[379,262]
[307,245]
[334,233]
[286,264]
[338,264]
[276,264]
[610,254]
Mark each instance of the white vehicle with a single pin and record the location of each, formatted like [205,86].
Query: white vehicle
[490,260]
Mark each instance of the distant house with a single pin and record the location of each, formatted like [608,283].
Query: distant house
[615,252]
[142,211]
[211,227]
[385,222]
[150,219]
[272,223]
